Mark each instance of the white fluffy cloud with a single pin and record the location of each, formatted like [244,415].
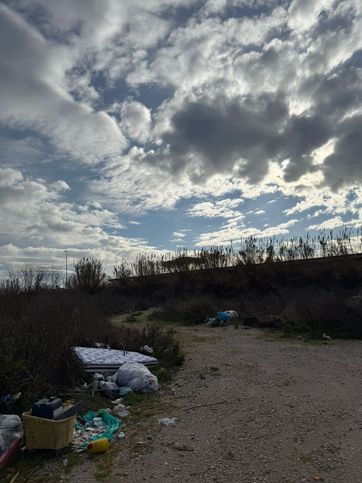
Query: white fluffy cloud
[226,208]
[37,220]
[32,82]
[136,120]
[233,231]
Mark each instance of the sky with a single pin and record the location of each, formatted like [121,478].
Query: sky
[147,125]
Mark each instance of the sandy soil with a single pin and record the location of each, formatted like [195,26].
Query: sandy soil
[250,408]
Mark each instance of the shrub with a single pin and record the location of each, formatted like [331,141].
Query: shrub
[89,275]
[337,315]
[31,279]
[37,332]
[191,311]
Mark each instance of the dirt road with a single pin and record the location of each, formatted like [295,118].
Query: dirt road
[249,408]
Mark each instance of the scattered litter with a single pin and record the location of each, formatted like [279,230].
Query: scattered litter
[120,411]
[226,315]
[118,401]
[109,389]
[167,421]
[54,408]
[94,426]
[326,337]
[121,435]
[111,378]
[9,403]
[138,377]
[124,390]
[147,349]
[212,321]
[42,433]
[11,435]
[100,345]
[222,318]
[97,359]
[98,446]
[98,422]
[97,378]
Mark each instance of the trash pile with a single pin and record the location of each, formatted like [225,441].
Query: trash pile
[92,429]
[137,377]
[54,424]
[222,319]
[55,409]
[130,377]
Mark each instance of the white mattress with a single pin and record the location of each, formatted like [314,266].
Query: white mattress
[93,358]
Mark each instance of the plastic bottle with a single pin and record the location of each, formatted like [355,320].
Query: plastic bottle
[98,446]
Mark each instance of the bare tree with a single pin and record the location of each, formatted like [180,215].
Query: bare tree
[122,270]
[32,278]
[89,275]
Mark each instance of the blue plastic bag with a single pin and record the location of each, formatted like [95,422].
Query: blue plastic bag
[223,316]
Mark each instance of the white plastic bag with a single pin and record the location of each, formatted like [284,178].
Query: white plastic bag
[137,377]
[10,429]
[109,389]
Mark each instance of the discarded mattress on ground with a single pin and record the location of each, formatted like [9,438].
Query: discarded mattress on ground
[222,318]
[94,359]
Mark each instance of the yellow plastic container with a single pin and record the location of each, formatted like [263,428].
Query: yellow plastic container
[43,433]
[98,446]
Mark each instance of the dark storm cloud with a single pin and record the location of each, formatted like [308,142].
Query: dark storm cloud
[303,135]
[222,131]
[344,166]
[337,93]
[338,99]
[219,133]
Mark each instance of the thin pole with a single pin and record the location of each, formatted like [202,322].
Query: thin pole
[66,268]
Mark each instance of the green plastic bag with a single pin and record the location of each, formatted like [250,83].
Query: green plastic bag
[110,422]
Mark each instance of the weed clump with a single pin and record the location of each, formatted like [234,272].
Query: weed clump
[161,339]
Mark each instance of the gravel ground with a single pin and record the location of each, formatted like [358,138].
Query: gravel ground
[251,408]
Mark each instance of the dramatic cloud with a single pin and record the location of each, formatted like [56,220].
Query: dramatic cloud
[219,134]
[34,95]
[344,166]
[126,125]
